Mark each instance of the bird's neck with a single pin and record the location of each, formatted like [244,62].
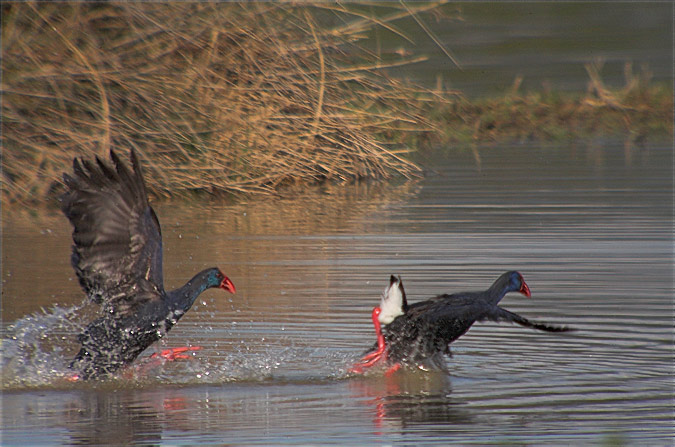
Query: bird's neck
[497,291]
[182,298]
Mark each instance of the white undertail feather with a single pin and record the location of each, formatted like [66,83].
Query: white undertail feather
[391,304]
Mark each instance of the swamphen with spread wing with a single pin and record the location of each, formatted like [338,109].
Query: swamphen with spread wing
[117,255]
[420,332]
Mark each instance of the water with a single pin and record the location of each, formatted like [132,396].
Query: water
[588,224]
[546,44]
[589,227]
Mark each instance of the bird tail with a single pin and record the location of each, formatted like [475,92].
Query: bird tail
[501,314]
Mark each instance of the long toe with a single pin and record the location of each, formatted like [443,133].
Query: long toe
[176,353]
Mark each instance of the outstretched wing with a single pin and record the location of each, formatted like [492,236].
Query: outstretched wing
[430,326]
[499,314]
[117,250]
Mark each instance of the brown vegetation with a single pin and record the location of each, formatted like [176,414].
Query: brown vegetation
[242,98]
[635,112]
[234,98]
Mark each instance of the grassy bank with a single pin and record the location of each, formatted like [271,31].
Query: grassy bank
[637,112]
[245,98]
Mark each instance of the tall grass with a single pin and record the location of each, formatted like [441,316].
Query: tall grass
[218,97]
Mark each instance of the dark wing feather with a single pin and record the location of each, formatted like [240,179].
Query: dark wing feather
[499,314]
[450,311]
[453,315]
[117,250]
[430,326]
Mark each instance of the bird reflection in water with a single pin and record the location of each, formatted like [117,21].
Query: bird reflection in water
[409,398]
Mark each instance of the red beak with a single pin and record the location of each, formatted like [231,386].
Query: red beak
[228,285]
[525,290]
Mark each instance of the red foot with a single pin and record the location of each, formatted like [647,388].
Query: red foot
[176,353]
[393,369]
[368,361]
[73,378]
[379,355]
[359,368]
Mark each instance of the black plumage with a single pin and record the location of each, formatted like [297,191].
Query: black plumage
[117,256]
[419,332]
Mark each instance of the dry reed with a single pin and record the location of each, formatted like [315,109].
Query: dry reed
[217,97]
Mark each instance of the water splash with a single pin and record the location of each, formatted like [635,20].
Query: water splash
[275,363]
[35,347]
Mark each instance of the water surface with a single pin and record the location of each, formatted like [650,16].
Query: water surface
[544,44]
[588,226]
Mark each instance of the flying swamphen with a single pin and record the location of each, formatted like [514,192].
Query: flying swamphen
[117,255]
[413,334]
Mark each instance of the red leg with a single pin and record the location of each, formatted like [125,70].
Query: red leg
[167,354]
[176,353]
[380,354]
[381,347]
